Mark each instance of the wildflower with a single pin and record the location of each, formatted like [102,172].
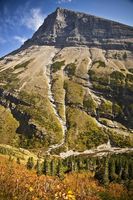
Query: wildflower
[70,195]
[30,189]
[56,195]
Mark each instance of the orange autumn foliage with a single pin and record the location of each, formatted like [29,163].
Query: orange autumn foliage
[18,183]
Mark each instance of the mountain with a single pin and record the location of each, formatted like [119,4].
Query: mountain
[68,28]
[70,87]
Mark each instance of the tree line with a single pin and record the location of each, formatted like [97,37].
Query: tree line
[116,168]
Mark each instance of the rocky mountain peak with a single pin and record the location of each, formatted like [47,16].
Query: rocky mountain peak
[68,28]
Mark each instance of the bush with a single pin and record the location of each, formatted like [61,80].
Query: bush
[125,56]
[70,69]
[57,66]
[99,63]
[22,65]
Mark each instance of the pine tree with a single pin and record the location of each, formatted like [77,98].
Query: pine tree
[113,175]
[125,174]
[120,167]
[52,167]
[38,168]
[30,163]
[106,172]
[130,170]
[45,166]
[60,170]
[117,165]
[69,164]
[125,56]
[72,164]
[79,164]
[87,164]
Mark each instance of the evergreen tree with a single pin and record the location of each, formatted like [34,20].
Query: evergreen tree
[113,175]
[125,56]
[60,170]
[38,168]
[121,168]
[87,167]
[130,169]
[45,166]
[69,164]
[79,164]
[125,174]
[106,171]
[52,167]
[72,163]
[117,165]
[30,163]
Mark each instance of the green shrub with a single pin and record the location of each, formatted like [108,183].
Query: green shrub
[117,110]
[73,88]
[57,66]
[93,76]
[120,140]
[89,104]
[22,65]
[130,70]
[101,87]
[117,79]
[106,107]
[100,63]
[83,131]
[117,75]
[125,56]
[70,69]
[130,77]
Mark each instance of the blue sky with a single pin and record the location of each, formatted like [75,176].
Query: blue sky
[19,19]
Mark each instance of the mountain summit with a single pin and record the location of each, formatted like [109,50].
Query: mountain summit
[68,28]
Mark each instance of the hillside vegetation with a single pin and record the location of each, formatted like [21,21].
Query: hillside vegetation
[19,183]
[74,98]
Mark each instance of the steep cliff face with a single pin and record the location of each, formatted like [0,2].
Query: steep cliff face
[71,97]
[69,28]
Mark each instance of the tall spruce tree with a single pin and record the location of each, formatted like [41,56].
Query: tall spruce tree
[130,169]
[38,168]
[52,167]
[30,163]
[106,171]
[60,170]
[45,166]
[125,174]
[113,176]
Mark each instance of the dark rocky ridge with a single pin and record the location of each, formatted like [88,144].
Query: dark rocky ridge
[69,28]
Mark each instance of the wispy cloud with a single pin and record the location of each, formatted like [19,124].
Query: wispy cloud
[31,18]
[64,1]
[20,39]
[2,40]
[34,19]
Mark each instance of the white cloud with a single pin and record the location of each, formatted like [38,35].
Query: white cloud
[20,39]
[64,1]
[2,40]
[34,19]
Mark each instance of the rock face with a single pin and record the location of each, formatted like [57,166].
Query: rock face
[69,28]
